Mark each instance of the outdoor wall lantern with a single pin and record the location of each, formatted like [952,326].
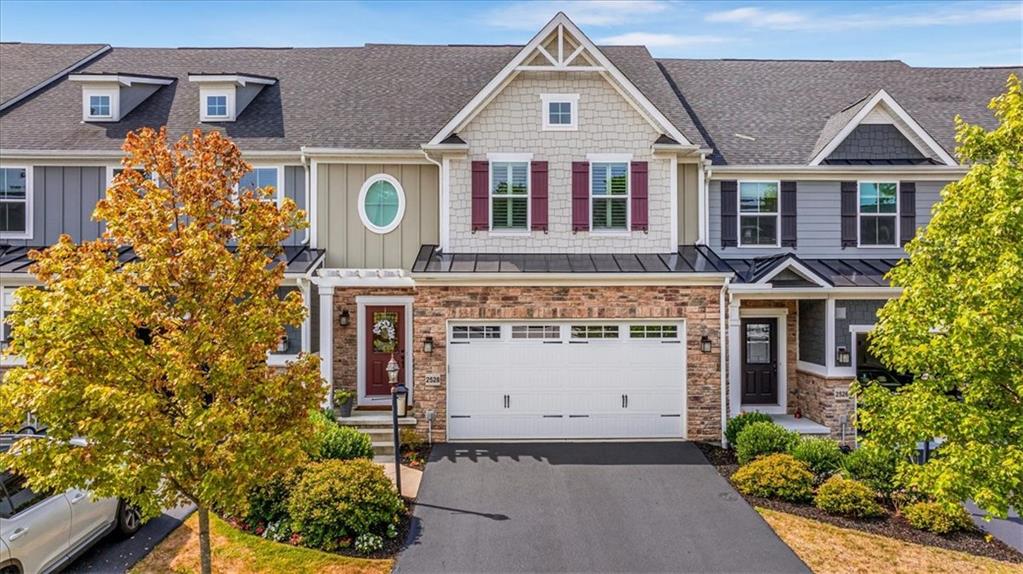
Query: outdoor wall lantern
[705,344]
[282,345]
[428,344]
[844,357]
[345,318]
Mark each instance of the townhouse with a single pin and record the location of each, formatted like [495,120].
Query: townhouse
[554,241]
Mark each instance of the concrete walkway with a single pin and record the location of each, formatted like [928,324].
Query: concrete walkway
[585,507]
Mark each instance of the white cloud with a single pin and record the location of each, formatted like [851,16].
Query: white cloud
[919,16]
[533,15]
[652,40]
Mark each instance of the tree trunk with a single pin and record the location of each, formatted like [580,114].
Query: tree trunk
[205,556]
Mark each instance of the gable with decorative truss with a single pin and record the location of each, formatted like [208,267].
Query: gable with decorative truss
[562,47]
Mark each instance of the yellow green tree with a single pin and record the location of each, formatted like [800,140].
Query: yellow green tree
[160,363]
[958,327]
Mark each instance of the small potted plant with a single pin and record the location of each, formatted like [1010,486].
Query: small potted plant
[343,399]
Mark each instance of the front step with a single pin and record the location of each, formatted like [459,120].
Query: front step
[379,426]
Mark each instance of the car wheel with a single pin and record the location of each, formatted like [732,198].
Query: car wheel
[129,519]
[10,570]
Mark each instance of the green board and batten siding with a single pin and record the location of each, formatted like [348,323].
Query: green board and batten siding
[688,204]
[341,232]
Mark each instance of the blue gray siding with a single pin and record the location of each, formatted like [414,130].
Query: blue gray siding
[875,142]
[857,312]
[818,222]
[812,336]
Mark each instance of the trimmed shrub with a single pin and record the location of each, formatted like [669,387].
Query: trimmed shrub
[937,517]
[341,499]
[872,465]
[823,455]
[410,439]
[333,441]
[762,438]
[847,497]
[737,423]
[268,504]
[775,476]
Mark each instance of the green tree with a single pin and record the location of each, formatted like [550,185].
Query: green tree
[160,363]
[958,326]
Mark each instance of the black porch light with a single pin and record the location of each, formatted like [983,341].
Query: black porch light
[344,318]
[705,344]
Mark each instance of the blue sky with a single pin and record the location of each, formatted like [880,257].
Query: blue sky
[981,33]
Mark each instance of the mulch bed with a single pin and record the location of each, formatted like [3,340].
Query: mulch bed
[415,458]
[892,525]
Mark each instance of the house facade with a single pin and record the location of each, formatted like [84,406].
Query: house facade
[553,241]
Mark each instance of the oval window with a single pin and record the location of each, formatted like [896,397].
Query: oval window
[381,203]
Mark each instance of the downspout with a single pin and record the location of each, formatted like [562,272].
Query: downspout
[308,195]
[442,201]
[724,362]
[707,172]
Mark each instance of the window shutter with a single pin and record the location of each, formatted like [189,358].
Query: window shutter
[640,201]
[480,196]
[538,195]
[907,211]
[580,196]
[729,207]
[849,231]
[788,214]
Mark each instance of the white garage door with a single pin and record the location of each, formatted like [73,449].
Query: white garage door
[566,380]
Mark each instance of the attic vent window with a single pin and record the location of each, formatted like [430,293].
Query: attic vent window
[560,111]
[216,106]
[99,106]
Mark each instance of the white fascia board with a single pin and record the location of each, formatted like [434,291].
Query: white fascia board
[121,79]
[236,79]
[754,291]
[498,81]
[835,172]
[64,154]
[879,97]
[324,153]
[799,269]
[570,279]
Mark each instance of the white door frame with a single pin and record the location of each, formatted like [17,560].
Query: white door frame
[780,314]
[853,352]
[565,335]
[361,303]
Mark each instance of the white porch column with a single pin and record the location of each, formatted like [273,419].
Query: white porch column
[734,357]
[327,341]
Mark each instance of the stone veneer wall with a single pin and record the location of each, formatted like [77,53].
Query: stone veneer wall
[511,123]
[434,306]
[819,403]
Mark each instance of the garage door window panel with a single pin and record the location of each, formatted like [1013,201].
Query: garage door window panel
[476,332]
[594,331]
[536,332]
[653,331]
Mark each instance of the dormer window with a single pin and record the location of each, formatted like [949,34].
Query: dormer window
[560,111]
[101,94]
[99,106]
[216,106]
[223,97]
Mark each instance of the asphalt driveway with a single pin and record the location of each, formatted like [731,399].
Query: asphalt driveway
[586,507]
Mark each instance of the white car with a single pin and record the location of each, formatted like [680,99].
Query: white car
[44,532]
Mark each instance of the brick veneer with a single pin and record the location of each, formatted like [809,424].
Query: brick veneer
[816,398]
[434,306]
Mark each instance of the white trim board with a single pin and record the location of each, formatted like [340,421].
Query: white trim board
[361,302]
[780,314]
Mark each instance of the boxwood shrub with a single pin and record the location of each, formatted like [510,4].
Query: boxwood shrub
[737,423]
[763,438]
[333,441]
[823,455]
[338,500]
[874,466]
[847,497]
[936,517]
[775,476]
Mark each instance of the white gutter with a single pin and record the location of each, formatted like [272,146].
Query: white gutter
[329,151]
[936,172]
[568,279]
[54,78]
[723,342]
[754,291]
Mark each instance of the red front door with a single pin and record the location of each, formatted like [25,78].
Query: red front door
[385,337]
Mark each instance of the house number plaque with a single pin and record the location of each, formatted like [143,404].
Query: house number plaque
[432,379]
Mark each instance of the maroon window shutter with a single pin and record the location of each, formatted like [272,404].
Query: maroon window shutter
[538,195]
[640,201]
[788,214]
[580,196]
[849,231]
[729,207]
[480,196]
[907,211]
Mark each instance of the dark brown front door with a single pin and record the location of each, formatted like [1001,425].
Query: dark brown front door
[385,337]
[759,362]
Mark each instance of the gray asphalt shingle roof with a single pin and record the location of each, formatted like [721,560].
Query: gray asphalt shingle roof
[784,105]
[25,66]
[380,96]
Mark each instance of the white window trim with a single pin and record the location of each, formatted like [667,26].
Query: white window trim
[526,158]
[114,93]
[740,212]
[280,179]
[612,158]
[362,207]
[206,93]
[545,120]
[897,215]
[29,196]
